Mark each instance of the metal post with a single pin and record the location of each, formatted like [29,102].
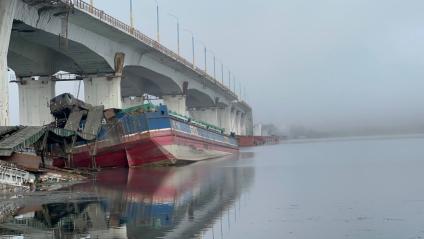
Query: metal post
[178,32]
[205,50]
[178,36]
[192,46]
[214,63]
[240,95]
[229,80]
[192,49]
[234,86]
[91,10]
[222,73]
[131,14]
[157,21]
[206,60]
[244,93]
[214,67]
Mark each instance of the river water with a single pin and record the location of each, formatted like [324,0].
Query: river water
[359,188]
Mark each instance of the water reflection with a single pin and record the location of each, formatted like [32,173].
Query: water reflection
[138,203]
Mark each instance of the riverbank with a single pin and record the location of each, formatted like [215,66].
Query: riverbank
[14,178]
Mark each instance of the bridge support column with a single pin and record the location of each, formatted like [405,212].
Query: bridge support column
[242,128]
[231,119]
[241,131]
[7,11]
[228,120]
[103,90]
[34,101]
[248,123]
[176,103]
[208,115]
[224,115]
[237,123]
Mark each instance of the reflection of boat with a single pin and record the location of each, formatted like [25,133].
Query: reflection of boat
[175,202]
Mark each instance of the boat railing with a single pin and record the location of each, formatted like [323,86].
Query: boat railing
[197,123]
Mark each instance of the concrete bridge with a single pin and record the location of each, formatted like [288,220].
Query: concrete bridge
[117,63]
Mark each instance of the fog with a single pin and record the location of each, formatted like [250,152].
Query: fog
[323,64]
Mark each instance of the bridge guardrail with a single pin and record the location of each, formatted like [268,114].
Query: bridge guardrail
[104,17]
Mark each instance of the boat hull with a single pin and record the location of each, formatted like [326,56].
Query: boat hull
[170,146]
[165,146]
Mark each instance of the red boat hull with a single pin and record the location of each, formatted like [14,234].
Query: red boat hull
[152,147]
[249,141]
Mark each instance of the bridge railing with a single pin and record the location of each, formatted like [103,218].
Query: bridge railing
[86,7]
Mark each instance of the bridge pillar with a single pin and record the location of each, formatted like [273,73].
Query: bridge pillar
[233,116]
[176,103]
[248,123]
[227,119]
[208,115]
[241,124]
[103,90]
[237,123]
[241,131]
[244,125]
[34,100]
[7,11]
[224,119]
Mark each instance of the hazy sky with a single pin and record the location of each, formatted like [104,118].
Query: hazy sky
[318,63]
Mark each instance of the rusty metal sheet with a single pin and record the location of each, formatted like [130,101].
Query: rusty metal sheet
[26,161]
[93,123]
[74,120]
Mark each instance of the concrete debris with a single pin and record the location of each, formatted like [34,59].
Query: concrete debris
[12,176]
[69,112]
[14,179]
[63,105]
[23,149]
[7,209]
[54,180]
[58,176]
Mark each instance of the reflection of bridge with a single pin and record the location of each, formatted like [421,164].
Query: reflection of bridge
[173,203]
[117,63]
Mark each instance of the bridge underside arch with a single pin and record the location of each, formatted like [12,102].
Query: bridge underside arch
[138,80]
[199,99]
[220,104]
[34,52]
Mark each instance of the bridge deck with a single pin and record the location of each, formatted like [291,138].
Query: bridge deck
[108,19]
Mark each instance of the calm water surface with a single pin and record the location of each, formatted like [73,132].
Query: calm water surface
[342,189]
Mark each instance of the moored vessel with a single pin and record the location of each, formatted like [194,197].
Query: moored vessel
[140,135]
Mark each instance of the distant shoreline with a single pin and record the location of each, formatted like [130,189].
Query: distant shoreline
[351,138]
